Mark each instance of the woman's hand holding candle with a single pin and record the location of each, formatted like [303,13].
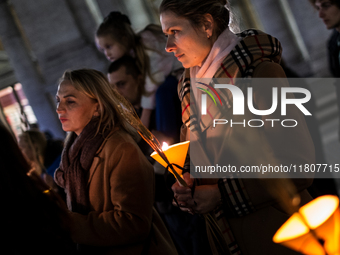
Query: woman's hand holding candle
[206,197]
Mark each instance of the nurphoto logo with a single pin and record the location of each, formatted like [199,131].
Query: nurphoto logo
[239,104]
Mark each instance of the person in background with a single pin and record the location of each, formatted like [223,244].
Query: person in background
[35,220]
[116,38]
[43,154]
[33,145]
[245,210]
[321,185]
[108,182]
[125,77]
[53,151]
[329,12]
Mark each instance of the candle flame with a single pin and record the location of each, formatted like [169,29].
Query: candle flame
[165,146]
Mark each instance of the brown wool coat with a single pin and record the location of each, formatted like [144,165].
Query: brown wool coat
[121,193]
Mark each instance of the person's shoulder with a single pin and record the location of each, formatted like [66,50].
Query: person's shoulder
[119,135]
[117,141]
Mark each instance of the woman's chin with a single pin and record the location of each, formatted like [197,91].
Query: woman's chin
[66,129]
[186,65]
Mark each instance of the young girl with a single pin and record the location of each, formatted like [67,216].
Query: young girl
[115,38]
[108,181]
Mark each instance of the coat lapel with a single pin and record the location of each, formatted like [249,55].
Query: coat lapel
[97,160]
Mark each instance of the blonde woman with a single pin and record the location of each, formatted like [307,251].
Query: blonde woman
[108,181]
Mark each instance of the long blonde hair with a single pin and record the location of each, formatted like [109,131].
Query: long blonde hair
[95,85]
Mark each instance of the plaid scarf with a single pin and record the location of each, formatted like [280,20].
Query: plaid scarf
[255,48]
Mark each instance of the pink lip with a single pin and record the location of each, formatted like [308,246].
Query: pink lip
[62,120]
[178,56]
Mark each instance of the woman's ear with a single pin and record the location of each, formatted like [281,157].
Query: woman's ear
[97,111]
[208,25]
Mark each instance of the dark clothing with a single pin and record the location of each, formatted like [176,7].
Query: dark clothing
[333,54]
[334,65]
[52,153]
[321,186]
[144,146]
[33,219]
[168,109]
[187,231]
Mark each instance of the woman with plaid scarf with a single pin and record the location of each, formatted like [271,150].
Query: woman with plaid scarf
[248,211]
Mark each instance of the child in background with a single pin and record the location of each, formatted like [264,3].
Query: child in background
[116,38]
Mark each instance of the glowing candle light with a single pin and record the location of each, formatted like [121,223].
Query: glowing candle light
[165,146]
[314,229]
[175,153]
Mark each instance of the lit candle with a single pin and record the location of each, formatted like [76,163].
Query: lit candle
[319,219]
[175,153]
[165,146]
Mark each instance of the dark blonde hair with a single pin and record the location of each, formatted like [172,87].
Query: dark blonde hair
[118,26]
[194,11]
[95,85]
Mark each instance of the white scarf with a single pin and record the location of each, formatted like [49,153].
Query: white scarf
[221,48]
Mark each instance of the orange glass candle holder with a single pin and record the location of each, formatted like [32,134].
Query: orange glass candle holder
[175,153]
[314,229]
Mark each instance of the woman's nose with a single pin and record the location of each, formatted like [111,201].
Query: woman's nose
[170,45]
[60,108]
[321,13]
[106,54]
